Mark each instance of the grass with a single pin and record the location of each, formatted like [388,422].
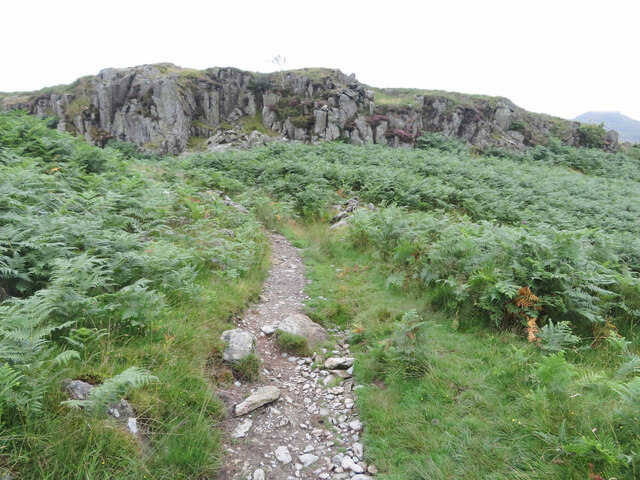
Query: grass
[251,123]
[461,404]
[203,125]
[292,343]
[405,97]
[247,369]
[196,144]
[78,106]
[314,74]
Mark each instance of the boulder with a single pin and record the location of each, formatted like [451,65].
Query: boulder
[299,324]
[77,389]
[240,344]
[263,396]
[611,138]
[320,123]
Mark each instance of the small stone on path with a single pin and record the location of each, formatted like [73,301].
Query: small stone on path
[268,329]
[241,430]
[308,459]
[356,425]
[283,455]
[262,396]
[259,475]
[358,450]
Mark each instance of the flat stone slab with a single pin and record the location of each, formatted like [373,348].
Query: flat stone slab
[299,324]
[341,373]
[335,363]
[240,344]
[263,396]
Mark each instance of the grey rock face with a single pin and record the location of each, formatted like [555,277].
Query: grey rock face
[612,139]
[504,114]
[158,107]
[240,344]
[262,397]
[299,324]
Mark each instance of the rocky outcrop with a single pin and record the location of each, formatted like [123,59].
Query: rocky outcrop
[161,107]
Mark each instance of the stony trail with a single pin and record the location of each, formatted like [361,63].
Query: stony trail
[302,434]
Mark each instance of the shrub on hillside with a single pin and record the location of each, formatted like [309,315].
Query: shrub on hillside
[591,135]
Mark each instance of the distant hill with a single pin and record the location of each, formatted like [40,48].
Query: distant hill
[628,128]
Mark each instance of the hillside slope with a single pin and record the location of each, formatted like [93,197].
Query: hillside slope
[167,109]
[489,303]
[627,127]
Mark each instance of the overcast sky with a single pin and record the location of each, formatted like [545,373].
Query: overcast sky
[561,57]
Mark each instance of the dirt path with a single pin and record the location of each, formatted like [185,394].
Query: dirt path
[312,431]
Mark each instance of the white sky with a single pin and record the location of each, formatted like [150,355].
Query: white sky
[562,57]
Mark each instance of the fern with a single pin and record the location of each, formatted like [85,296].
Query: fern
[630,367]
[10,395]
[628,410]
[557,337]
[113,389]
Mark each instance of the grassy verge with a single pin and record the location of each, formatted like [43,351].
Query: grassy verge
[179,412]
[440,403]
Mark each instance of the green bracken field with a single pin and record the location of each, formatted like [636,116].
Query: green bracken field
[120,265]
